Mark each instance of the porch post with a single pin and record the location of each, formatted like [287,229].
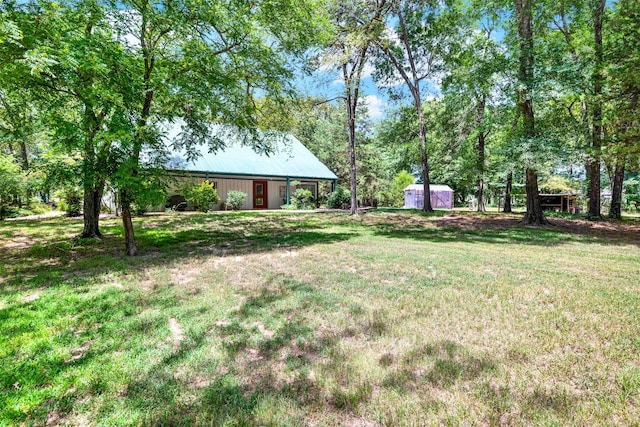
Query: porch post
[288,191]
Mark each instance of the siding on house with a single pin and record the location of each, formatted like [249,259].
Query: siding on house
[245,184]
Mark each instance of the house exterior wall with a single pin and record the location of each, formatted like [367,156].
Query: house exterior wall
[275,197]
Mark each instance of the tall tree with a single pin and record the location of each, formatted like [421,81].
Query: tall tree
[472,85]
[357,24]
[594,155]
[111,73]
[524,20]
[206,62]
[623,62]
[67,59]
[412,51]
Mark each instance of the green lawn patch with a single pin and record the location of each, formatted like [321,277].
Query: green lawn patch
[387,318]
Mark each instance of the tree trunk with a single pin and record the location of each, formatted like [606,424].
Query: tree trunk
[130,244]
[481,154]
[93,184]
[481,207]
[352,84]
[24,156]
[352,160]
[524,15]
[91,210]
[534,215]
[616,189]
[424,160]
[126,195]
[507,193]
[595,149]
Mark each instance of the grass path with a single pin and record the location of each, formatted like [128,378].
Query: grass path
[389,318]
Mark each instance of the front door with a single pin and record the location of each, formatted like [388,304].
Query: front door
[259,194]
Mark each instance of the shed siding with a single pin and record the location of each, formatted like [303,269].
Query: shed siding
[440,198]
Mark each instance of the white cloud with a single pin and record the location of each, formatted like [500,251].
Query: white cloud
[375,106]
[367,70]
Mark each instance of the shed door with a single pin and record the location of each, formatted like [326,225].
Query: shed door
[260,194]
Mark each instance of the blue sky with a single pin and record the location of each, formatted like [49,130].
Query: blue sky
[327,84]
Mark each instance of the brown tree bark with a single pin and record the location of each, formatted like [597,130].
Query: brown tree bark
[616,189]
[424,159]
[130,243]
[534,215]
[91,210]
[93,184]
[507,193]
[24,156]
[524,15]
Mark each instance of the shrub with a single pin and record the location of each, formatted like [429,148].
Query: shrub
[203,196]
[149,193]
[236,199]
[400,182]
[70,201]
[338,198]
[12,184]
[302,199]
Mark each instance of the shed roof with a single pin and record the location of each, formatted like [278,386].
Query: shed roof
[432,187]
[290,158]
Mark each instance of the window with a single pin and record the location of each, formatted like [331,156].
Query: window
[310,187]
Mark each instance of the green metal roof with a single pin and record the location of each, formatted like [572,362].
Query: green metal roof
[289,159]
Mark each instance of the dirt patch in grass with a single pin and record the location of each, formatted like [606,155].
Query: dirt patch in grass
[33,296]
[17,242]
[78,353]
[176,333]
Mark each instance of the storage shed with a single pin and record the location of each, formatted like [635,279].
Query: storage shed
[441,196]
[567,202]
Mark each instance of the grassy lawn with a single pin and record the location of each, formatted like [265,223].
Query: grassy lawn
[389,318]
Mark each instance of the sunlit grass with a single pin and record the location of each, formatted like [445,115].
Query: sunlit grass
[389,318]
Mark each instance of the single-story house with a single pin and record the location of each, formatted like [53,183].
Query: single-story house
[266,178]
[441,196]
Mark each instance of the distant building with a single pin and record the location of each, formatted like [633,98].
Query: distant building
[566,202]
[265,178]
[441,196]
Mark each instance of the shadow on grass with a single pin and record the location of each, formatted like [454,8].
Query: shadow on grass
[479,228]
[537,405]
[57,258]
[449,363]
[257,370]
